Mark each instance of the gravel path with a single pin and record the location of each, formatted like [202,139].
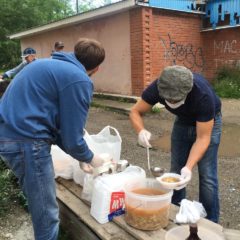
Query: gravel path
[17,226]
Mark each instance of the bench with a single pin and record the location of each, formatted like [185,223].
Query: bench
[80,225]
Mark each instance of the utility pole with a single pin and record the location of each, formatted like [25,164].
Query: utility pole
[77,6]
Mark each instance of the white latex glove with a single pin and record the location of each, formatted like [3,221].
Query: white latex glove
[143,138]
[87,168]
[186,174]
[96,161]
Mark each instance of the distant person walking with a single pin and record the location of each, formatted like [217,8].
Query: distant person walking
[58,46]
[28,55]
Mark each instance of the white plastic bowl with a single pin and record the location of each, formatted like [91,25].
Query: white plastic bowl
[170,185]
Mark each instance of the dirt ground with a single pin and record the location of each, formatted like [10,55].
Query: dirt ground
[17,223]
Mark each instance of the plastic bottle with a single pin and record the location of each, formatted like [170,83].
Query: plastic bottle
[193,232]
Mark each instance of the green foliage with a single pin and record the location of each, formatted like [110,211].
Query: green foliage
[227,82]
[10,53]
[156,109]
[9,189]
[20,15]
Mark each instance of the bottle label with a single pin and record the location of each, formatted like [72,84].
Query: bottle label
[117,205]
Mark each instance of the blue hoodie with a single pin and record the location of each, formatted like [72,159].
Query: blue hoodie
[49,99]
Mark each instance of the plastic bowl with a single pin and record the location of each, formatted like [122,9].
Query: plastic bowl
[147,204]
[171,184]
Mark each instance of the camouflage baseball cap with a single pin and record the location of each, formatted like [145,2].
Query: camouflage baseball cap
[175,82]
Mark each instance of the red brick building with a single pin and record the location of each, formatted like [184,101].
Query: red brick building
[140,40]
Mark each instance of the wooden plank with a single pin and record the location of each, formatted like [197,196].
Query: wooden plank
[231,234]
[139,234]
[74,227]
[108,231]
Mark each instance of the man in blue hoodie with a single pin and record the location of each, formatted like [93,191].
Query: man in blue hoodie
[48,102]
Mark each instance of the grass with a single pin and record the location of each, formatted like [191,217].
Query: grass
[227,82]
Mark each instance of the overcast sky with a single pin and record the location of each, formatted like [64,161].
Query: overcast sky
[97,3]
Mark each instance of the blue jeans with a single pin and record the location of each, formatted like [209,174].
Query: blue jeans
[182,139]
[31,162]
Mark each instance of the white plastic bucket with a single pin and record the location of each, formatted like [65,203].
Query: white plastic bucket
[144,211]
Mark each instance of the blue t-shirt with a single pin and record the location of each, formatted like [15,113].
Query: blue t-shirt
[201,104]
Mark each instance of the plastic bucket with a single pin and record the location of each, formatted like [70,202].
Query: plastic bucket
[147,204]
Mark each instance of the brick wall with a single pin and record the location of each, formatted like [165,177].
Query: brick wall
[162,38]
[221,47]
[140,45]
[176,39]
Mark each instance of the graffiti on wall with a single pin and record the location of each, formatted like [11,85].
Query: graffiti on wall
[183,54]
[222,48]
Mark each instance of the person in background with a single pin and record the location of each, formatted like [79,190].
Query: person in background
[196,132]
[58,46]
[53,97]
[28,55]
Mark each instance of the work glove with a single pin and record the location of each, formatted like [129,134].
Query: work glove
[96,161]
[186,174]
[143,138]
[87,168]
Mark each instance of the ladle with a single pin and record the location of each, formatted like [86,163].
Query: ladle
[155,171]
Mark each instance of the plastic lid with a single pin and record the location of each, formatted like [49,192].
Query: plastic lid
[182,232]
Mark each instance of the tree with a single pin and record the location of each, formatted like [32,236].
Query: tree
[19,15]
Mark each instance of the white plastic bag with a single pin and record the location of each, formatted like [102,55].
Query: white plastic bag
[108,195]
[87,187]
[190,212]
[78,173]
[66,166]
[62,163]
[105,142]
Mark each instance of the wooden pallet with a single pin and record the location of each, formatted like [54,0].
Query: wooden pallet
[80,225]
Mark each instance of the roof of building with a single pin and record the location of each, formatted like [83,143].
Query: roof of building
[106,10]
[78,18]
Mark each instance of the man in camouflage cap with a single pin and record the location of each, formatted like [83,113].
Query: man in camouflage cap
[196,132]
[28,56]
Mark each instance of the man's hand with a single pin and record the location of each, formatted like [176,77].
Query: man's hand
[87,168]
[186,174]
[96,161]
[143,138]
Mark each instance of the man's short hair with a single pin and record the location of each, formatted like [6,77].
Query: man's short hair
[59,45]
[89,53]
